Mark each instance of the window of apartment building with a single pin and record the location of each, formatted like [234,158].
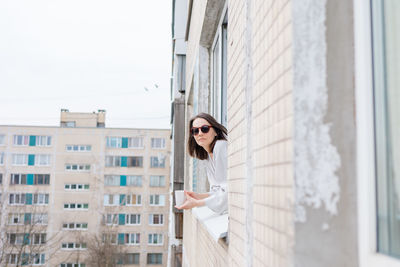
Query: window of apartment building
[41,179]
[134,199]
[134,180]
[111,200]
[112,180]
[17,198]
[158,143]
[2,139]
[76,187]
[1,178]
[154,258]
[134,161]
[16,218]
[40,199]
[386,68]
[130,258]
[30,179]
[114,142]
[21,140]
[20,159]
[12,258]
[74,246]
[157,162]
[109,238]
[26,259]
[76,206]
[42,160]
[219,72]
[38,238]
[72,265]
[27,218]
[78,148]
[113,161]
[37,218]
[74,226]
[157,200]
[110,219]
[132,238]
[155,239]
[132,219]
[156,219]
[18,178]
[157,180]
[135,142]
[1,158]
[43,141]
[77,167]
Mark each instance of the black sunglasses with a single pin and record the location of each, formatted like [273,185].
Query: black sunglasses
[204,129]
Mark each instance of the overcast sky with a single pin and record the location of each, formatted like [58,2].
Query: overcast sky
[85,55]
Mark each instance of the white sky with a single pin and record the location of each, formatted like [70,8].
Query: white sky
[85,55]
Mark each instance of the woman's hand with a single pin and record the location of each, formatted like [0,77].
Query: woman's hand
[191,202]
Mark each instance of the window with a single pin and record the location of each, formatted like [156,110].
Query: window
[131,258]
[110,219]
[41,179]
[114,142]
[155,239]
[72,265]
[20,159]
[21,140]
[134,180]
[17,199]
[157,180]
[75,226]
[111,200]
[38,239]
[157,200]
[2,139]
[134,200]
[112,180]
[158,143]
[157,162]
[42,160]
[1,178]
[26,259]
[18,178]
[76,187]
[219,73]
[16,218]
[18,239]
[12,258]
[113,161]
[109,238]
[135,161]
[154,258]
[43,140]
[78,148]
[1,158]
[386,55]
[135,142]
[40,199]
[77,167]
[156,219]
[39,218]
[74,246]
[132,219]
[132,239]
[76,206]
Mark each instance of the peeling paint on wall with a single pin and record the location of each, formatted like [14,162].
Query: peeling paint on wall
[316,159]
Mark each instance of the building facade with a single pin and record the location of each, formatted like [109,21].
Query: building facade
[309,93]
[72,194]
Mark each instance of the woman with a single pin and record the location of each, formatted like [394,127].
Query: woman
[207,141]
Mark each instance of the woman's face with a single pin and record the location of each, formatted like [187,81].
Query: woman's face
[204,139]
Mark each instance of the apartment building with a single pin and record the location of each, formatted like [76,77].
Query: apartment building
[308,90]
[76,194]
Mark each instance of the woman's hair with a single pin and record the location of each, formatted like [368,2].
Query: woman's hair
[197,151]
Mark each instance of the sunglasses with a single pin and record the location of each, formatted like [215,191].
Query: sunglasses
[204,129]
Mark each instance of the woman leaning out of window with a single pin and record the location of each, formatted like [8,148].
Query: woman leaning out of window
[208,141]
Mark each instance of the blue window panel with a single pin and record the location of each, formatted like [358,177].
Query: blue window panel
[122,180]
[31,160]
[29,179]
[124,142]
[121,238]
[32,140]
[122,198]
[28,199]
[124,161]
[121,219]
[26,239]
[27,218]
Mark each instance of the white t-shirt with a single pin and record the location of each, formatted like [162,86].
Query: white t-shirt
[216,168]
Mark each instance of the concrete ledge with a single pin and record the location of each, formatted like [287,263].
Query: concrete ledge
[216,225]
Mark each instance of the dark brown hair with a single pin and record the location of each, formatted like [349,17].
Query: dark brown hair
[197,151]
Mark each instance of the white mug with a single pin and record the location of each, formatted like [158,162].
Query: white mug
[179,197]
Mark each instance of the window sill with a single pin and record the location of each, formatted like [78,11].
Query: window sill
[216,225]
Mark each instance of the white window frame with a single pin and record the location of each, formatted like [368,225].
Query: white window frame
[82,206]
[69,264]
[366,196]
[2,139]
[158,143]
[151,219]
[159,236]
[42,159]
[17,157]
[2,154]
[128,220]
[134,180]
[75,226]
[40,199]
[113,197]
[25,140]
[112,180]
[132,142]
[130,197]
[113,219]
[114,160]
[153,200]
[78,148]
[132,239]
[43,140]
[157,162]
[71,167]
[76,246]
[19,216]
[78,187]
[111,140]
[152,177]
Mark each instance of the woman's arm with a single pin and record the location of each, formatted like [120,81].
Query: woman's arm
[191,202]
[197,196]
